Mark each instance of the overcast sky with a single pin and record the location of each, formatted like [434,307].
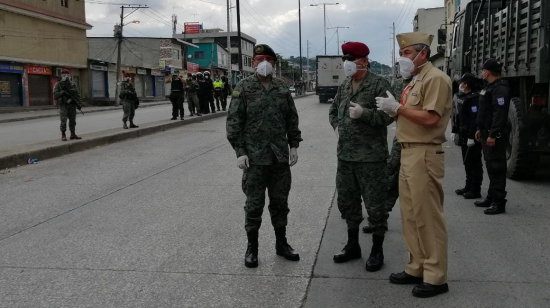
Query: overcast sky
[273,22]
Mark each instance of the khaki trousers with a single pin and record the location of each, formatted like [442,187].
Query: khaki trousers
[421,198]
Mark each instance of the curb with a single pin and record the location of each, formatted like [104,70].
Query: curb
[19,155]
[144,105]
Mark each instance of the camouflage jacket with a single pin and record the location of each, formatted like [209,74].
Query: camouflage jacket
[363,139]
[262,123]
[128,92]
[191,86]
[65,90]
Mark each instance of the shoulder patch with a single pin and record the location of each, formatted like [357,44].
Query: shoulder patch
[501,101]
[474,109]
[236,93]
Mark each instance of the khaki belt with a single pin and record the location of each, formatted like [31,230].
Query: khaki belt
[416,145]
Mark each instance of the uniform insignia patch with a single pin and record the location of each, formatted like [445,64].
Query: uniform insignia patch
[500,101]
[474,109]
[414,94]
[236,93]
[259,49]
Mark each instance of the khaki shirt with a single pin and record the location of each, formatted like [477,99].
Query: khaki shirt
[429,91]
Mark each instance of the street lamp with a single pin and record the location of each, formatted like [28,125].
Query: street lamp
[137,22]
[324,4]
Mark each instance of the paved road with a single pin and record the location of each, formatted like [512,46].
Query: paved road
[157,222]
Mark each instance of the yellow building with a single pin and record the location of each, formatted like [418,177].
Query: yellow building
[37,40]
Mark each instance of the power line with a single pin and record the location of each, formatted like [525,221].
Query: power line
[404,20]
[402,7]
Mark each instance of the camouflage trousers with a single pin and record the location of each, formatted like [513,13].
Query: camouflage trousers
[368,180]
[394,164]
[129,110]
[193,103]
[67,111]
[277,180]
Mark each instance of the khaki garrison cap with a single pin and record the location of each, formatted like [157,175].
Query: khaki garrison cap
[413,38]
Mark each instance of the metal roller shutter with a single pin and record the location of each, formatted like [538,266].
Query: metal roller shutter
[159,86]
[39,90]
[139,85]
[98,84]
[112,84]
[11,94]
[150,86]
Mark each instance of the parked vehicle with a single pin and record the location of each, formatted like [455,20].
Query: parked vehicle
[517,33]
[330,75]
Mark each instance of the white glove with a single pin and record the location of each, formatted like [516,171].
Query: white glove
[242,162]
[336,132]
[470,143]
[453,137]
[293,156]
[388,104]
[355,111]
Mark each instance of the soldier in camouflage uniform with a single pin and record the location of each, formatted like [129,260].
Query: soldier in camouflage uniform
[130,101]
[262,123]
[192,87]
[362,153]
[392,171]
[68,99]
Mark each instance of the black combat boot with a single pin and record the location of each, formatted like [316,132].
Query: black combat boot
[462,191]
[352,250]
[472,194]
[74,136]
[498,207]
[132,125]
[124,126]
[368,228]
[63,136]
[173,118]
[404,278]
[282,247]
[251,256]
[376,258]
[485,203]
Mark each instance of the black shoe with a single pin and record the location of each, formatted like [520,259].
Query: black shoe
[462,191]
[63,136]
[181,119]
[251,255]
[199,115]
[218,109]
[125,126]
[472,195]
[376,258]
[368,229]
[496,208]
[282,248]
[352,250]
[223,109]
[429,290]
[192,114]
[485,203]
[74,137]
[404,278]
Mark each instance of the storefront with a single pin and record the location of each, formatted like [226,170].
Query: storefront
[99,80]
[11,81]
[40,85]
[139,81]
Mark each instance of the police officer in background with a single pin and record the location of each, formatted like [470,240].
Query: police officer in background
[218,90]
[201,93]
[177,96]
[467,127]
[209,92]
[494,104]
[225,92]
[422,117]
[262,127]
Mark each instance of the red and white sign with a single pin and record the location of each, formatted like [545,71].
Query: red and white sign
[39,70]
[192,28]
[192,67]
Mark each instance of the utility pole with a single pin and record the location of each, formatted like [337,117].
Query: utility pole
[393,53]
[174,23]
[239,37]
[300,35]
[324,4]
[338,37]
[120,36]
[308,67]
[230,77]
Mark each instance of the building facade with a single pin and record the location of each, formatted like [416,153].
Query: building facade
[430,21]
[149,61]
[209,57]
[219,38]
[37,40]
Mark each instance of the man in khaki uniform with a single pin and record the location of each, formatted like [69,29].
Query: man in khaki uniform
[422,117]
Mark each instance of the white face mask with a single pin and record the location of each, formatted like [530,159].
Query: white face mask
[350,68]
[65,77]
[406,66]
[264,68]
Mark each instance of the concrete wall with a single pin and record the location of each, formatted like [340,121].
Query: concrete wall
[429,21]
[75,10]
[138,52]
[33,40]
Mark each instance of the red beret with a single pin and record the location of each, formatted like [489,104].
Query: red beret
[65,71]
[356,49]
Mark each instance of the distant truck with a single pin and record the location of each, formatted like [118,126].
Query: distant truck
[518,34]
[330,75]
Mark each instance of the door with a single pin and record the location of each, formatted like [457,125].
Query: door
[159,89]
[10,90]
[99,88]
[39,90]
[150,86]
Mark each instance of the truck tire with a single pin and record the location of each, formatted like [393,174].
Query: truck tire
[521,163]
[322,99]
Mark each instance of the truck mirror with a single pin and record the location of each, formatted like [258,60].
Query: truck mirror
[441,36]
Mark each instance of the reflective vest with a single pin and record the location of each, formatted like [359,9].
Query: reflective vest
[218,84]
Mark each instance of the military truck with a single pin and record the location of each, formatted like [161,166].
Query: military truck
[330,75]
[517,32]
